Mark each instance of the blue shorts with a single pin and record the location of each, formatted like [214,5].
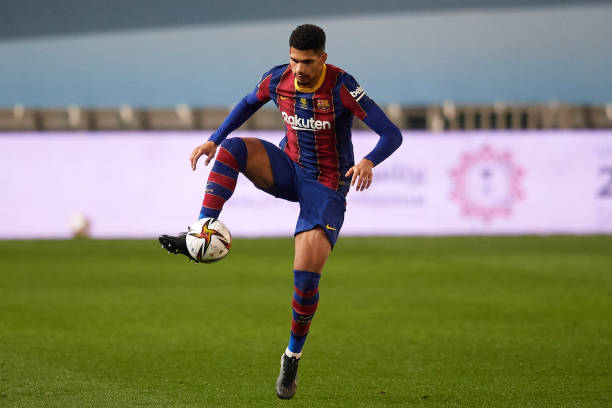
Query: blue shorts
[319,205]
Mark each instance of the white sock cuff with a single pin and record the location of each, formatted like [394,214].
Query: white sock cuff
[290,353]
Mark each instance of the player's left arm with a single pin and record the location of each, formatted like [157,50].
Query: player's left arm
[355,99]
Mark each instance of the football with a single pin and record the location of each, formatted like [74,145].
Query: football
[208,240]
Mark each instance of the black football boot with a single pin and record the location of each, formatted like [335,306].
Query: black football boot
[286,385]
[176,245]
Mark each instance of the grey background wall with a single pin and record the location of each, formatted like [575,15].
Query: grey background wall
[159,53]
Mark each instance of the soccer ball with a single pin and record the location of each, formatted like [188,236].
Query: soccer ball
[208,240]
[80,226]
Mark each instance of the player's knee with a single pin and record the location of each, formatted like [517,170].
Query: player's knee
[237,148]
[234,145]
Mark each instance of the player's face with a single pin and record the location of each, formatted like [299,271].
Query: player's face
[307,66]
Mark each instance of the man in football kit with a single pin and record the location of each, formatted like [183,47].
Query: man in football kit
[314,166]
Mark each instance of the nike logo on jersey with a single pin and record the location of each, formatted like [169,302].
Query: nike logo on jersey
[298,123]
[330,228]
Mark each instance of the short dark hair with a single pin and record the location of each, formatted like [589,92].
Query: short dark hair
[308,37]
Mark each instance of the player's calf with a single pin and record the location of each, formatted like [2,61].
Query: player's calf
[304,304]
[230,161]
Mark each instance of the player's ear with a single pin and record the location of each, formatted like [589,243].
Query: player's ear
[324,56]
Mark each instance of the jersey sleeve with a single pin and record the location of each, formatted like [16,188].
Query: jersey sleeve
[355,99]
[390,136]
[244,109]
[262,90]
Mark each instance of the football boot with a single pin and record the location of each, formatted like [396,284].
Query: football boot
[286,385]
[176,245]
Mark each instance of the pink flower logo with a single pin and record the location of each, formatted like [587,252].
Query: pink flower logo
[487,184]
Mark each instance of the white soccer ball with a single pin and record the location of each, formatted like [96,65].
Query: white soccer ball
[79,225]
[208,240]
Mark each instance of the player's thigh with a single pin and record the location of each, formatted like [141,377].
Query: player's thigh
[258,168]
[312,248]
[270,169]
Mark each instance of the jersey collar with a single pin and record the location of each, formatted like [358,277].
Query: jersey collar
[317,85]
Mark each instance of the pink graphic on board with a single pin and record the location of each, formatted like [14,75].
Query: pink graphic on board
[487,184]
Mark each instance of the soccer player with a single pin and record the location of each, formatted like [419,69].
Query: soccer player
[314,166]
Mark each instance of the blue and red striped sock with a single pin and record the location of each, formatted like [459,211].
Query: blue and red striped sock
[305,302]
[230,161]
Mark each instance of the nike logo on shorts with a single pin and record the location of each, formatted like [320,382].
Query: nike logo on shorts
[330,228]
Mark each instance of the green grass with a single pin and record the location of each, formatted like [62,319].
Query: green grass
[457,322]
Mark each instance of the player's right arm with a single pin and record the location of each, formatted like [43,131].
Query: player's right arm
[241,112]
[209,148]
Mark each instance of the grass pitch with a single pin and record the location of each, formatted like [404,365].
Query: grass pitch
[457,322]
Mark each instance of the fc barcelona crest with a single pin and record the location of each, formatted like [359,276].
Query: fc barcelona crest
[323,105]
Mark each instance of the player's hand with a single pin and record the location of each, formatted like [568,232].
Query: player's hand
[209,149]
[362,174]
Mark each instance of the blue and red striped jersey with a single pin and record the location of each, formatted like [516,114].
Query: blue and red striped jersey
[318,120]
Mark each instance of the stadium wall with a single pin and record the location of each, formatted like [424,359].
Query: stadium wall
[522,55]
[139,185]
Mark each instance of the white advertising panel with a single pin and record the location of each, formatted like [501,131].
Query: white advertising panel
[141,185]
